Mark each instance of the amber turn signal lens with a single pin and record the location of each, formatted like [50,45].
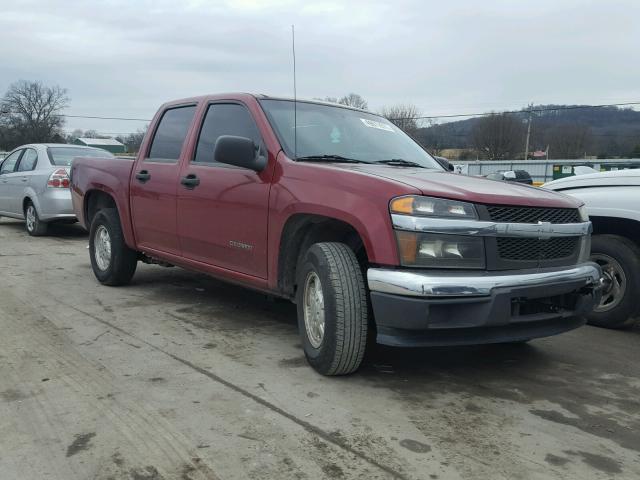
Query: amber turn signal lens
[408,246]
[402,205]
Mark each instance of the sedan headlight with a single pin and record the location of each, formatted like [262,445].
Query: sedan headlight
[433,207]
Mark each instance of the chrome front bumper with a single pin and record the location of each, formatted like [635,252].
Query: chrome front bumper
[465,284]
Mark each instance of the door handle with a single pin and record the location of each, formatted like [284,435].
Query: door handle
[191,181]
[24,179]
[143,176]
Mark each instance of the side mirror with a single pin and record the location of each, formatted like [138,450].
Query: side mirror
[444,163]
[238,151]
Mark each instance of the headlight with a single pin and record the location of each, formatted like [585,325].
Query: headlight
[584,216]
[432,207]
[440,251]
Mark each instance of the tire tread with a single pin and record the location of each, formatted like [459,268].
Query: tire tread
[351,307]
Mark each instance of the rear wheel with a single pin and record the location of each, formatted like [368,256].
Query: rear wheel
[35,227]
[332,309]
[619,259]
[112,261]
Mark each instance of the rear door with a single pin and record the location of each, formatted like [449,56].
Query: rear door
[8,190]
[222,221]
[154,182]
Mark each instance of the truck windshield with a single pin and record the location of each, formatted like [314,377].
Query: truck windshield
[337,134]
[62,156]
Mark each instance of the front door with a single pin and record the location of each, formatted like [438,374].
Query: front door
[154,182]
[222,221]
[8,178]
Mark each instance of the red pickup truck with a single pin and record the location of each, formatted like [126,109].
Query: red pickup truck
[341,212]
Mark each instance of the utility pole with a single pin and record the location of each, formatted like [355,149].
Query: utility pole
[526,145]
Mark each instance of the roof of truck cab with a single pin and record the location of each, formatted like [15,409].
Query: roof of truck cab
[258,96]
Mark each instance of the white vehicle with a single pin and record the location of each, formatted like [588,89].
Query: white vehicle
[613,204]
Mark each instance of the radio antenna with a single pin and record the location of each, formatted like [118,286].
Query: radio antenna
[295,96]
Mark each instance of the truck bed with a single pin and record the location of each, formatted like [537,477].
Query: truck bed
[111,175]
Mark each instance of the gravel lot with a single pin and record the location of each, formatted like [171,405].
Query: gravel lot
[181,376]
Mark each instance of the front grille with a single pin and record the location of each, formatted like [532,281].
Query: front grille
[532,249]
[532,214]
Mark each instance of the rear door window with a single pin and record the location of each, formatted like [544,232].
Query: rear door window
[9,163]
[172,130]
[28,160]
[224,119]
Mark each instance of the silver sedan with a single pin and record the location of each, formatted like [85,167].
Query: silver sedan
[34,183]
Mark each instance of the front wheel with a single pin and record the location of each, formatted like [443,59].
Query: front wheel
[332,308]
[112,261]
[619,259]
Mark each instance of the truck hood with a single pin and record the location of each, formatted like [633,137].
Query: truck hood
[466,188]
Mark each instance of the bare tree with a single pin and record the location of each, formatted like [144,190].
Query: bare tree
[498,136]
[73,136]
[435,137]
[93,134]
[354,100]
[569,141]
[31,112]
[134,140]
[404,116]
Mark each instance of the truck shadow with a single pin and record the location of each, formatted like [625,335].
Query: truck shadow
[218,306]
[564,380]
[563,371]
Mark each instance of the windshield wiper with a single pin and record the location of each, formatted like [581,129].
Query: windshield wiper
[400,163]
[330,158]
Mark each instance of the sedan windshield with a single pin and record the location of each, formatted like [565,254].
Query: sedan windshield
[336,134]
[62,156]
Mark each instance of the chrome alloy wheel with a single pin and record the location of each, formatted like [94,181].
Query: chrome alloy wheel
[314,309]
[102,248]
[31,217]
[614,282]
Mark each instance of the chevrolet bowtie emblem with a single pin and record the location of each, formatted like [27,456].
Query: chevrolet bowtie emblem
[544,230]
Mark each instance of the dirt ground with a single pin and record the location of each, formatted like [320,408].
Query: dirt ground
[178,376]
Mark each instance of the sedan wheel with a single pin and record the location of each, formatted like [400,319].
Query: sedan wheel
[31,218]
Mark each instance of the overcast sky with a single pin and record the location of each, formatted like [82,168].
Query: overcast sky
[124,58]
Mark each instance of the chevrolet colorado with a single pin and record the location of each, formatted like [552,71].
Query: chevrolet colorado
[341,212]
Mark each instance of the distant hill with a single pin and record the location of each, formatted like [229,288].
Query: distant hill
[612,131]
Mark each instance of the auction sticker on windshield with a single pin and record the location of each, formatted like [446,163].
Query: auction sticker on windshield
[378,125]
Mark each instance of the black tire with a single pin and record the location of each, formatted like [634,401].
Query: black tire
[344,342]
[626,256]
[122,261]
[34,226]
